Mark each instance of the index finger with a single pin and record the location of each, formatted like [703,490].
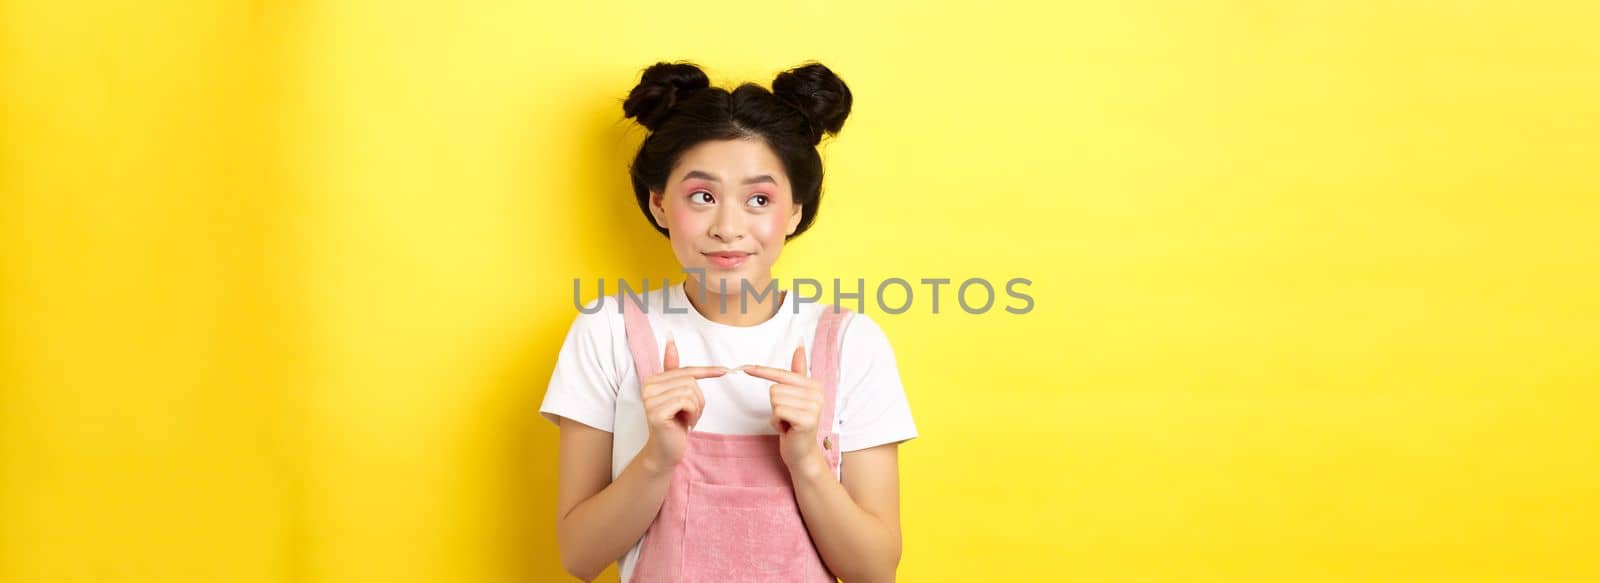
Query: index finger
[699,372]
[669,361]
[776,375]
[798,364]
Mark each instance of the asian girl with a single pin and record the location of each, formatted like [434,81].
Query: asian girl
[713,434]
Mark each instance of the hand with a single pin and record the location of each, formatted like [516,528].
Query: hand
[672,405]
[796,409]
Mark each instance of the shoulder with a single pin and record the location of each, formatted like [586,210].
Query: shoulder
[601,319]
[862,341]
[598,326]
[596,315]
[873,408]
[861,331]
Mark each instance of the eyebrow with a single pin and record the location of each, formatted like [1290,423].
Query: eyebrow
[750,180]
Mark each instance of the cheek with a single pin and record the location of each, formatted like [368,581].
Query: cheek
[682,221]
[770,226]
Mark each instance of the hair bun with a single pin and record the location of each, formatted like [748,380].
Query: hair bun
[819,94]
[662,86]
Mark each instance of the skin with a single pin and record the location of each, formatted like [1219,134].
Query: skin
[707,207]
[855,521]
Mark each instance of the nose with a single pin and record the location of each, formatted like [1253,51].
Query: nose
[729,224]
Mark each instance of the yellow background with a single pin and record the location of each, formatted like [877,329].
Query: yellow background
[1316,282]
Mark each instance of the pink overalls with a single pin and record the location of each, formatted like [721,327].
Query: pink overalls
[730,514]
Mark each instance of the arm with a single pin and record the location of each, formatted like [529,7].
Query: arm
[597,519]
[856,522]
[597,522]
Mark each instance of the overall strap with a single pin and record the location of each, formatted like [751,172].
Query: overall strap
[641,339]
[825,367]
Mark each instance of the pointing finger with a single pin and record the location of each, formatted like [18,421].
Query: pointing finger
[776,375]
[799,363]
[699,372]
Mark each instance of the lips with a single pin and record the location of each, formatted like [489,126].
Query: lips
[727,259]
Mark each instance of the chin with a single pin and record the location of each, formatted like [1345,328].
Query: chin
[723,281]
[719,281]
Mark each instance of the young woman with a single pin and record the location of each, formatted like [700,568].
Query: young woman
[719,429]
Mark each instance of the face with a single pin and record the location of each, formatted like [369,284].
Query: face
[727,207]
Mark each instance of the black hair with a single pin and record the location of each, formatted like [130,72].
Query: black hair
[676,102]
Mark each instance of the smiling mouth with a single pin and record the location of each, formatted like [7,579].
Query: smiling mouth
[727,260]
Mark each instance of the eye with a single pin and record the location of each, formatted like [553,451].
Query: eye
[694,197]
[761,197]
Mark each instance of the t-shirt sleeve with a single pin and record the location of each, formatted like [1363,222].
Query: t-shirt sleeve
[584,385]
[873,409]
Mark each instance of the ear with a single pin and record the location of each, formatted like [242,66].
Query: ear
[794,219]
[657,210]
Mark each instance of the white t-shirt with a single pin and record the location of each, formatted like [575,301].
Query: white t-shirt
[595,384]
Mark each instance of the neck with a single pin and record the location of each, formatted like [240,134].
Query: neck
[724,308]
